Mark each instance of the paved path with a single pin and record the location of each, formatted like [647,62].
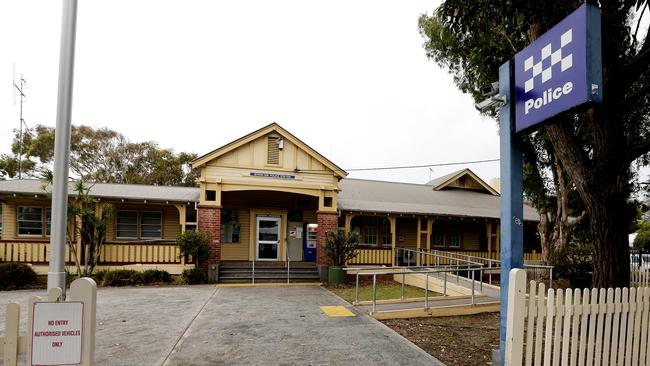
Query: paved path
[285,326]
[202,325]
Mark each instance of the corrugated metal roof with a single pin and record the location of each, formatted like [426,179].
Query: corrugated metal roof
[110,190]
[355,195]
[379,196]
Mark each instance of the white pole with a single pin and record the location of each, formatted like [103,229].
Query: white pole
[56,272]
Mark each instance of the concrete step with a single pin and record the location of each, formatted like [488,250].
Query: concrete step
[267,271]
[266,279]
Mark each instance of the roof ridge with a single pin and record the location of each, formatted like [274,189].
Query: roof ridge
[384,181]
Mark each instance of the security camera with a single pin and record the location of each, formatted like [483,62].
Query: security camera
[491,103]
[490,89]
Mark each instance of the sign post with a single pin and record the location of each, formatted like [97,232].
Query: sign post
[560,71]
[512,193]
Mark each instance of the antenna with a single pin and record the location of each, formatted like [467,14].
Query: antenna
[22,121]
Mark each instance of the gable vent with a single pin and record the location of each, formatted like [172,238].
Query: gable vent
[273,152]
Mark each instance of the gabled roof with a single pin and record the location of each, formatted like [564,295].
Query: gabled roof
[420,199]
[273,127]
[444,181]
[107,190]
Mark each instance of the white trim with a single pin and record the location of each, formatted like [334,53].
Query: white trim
[259,218]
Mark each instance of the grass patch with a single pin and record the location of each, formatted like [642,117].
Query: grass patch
[386,290]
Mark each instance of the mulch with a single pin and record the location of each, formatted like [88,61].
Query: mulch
[457,340]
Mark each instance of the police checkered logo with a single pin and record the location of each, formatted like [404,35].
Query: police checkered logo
[545,68]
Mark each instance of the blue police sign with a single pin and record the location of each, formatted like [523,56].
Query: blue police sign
[560,70]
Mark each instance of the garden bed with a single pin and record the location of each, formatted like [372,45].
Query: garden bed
[457,340]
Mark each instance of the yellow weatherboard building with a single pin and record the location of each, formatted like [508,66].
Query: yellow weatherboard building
[266,199]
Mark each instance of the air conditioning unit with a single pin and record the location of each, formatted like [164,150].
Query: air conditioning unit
[408,258]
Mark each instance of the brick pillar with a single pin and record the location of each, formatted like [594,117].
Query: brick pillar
[327,221]
[209,223]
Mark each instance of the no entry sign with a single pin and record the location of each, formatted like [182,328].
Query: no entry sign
[57,331]
[560,70]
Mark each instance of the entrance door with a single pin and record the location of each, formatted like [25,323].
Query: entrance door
[268,238]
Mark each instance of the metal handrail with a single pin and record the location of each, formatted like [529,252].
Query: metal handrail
[410,271]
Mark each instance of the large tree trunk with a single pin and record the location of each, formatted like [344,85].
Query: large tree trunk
[602,183]
[611,257]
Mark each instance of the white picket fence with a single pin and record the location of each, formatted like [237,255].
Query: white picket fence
[576,327]
[639,277]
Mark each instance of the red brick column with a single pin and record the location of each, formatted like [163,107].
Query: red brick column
[209,223]
[327,221]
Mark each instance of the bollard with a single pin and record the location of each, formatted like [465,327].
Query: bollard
[356,290]
[426,291]
[374,292]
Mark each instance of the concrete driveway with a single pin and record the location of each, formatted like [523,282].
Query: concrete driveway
[204,325]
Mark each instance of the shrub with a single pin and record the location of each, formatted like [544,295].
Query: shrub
[15,276]
[155,276]
[195,244]
[122,277]
[193,276]
[340,246]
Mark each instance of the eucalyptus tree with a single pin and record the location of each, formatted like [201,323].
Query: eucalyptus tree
[596,147]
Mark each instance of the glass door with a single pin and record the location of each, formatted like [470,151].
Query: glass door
[268,238]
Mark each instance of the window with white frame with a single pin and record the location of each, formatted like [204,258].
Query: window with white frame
[31,221]
[132,224]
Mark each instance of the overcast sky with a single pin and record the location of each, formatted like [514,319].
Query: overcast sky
[350,78]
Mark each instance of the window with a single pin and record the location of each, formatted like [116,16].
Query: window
[370,230]
[454,234]
[138,224]
[327,202]
[48,221]
[127,224]
[438,235]
[210,195]
[229,226]
[150,225]
[31,221]
[387,237]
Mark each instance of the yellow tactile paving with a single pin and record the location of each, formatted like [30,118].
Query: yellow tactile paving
[334,311]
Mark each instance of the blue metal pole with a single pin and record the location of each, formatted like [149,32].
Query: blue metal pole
[512,205]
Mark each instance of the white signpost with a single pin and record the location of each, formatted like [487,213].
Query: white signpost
[57,332]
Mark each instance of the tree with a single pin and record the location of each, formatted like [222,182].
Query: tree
[596,147]
[642,239]
[552,194]
[86,221]
[101,155]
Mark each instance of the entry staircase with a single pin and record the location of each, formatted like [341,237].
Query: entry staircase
[267,272]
